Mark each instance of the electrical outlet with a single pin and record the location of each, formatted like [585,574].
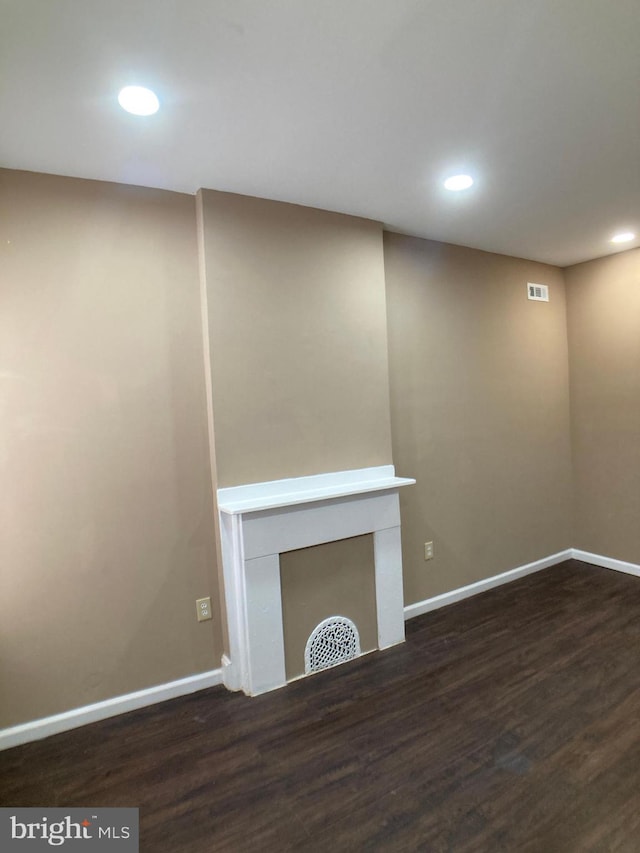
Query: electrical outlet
[428,550]
[203,609]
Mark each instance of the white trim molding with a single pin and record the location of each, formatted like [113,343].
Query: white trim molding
[77,717]
[606,562]
[38,729]
[462,592]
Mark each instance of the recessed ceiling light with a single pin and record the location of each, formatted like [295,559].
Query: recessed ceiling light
[138,100]
[623,237]
[458,182]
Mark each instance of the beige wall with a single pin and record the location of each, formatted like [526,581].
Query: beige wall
[604,349]
[480,413]
[106,511]
[297,326]
[106,535]
[334,579]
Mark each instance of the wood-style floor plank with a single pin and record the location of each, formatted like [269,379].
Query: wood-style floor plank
[507,722]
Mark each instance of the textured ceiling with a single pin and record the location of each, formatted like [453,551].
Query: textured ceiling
[361,106]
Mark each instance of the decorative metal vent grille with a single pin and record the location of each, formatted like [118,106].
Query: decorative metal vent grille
[335,640]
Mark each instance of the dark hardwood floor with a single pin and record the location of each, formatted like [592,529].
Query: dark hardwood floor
[507,722]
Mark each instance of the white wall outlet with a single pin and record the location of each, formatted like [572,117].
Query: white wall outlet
[428,550]
[203,609]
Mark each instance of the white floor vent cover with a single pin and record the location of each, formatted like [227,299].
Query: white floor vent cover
[335,640]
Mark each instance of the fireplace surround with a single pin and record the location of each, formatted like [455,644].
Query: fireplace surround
[259,521]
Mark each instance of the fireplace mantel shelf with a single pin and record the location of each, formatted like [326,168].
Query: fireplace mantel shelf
[255,497]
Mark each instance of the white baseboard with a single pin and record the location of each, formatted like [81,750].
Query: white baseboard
[606,562]
[420,607]
[37,729]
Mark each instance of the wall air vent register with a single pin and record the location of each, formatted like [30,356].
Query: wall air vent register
[538,292]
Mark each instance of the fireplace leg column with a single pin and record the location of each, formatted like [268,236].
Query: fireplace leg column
[387,549]
[264,634]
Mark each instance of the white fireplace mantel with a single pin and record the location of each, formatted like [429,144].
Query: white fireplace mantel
[260,521]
